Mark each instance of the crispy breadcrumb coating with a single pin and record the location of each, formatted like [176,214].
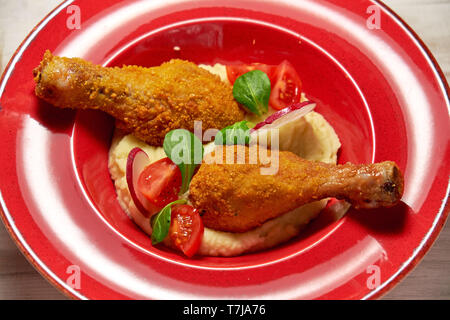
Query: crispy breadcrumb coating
[149,102]
[237,197]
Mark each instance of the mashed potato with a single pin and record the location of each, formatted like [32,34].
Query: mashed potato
[311,137]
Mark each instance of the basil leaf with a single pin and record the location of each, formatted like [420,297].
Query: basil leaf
[186,151]
[161,222]
[252,89]
[250,124]
[238,133]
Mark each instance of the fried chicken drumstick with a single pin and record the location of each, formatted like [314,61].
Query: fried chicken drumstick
[237,198]
[148,102]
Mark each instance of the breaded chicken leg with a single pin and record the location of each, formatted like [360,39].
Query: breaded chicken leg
[237,198]
[148,102]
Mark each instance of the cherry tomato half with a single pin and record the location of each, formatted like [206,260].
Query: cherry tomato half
[186,229]
[160,182]
[286,86]
[237,70]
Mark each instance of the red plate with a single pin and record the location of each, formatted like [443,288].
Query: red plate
[380,89]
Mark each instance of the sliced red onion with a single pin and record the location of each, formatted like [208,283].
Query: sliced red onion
[286,115]
[136,162]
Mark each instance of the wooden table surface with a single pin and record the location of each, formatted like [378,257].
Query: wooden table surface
[429,280]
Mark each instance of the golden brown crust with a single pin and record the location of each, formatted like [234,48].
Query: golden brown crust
[147,101]
[238,198]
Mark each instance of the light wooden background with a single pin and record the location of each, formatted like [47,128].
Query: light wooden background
[429,280]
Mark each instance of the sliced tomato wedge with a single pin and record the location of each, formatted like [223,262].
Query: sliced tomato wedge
[160,182]
[286,86]
[237,70]
[186,229]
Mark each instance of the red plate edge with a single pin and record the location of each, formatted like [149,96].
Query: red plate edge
[445,208]
[15,235]
[407,267]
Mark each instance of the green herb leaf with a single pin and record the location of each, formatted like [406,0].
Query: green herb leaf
[250,124]
[186,151]
[238,133]
[161,222]
[252,89]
